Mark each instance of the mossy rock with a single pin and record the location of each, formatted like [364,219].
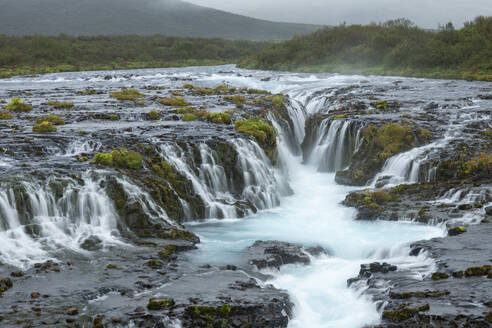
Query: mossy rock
[174,102]
[404,312]
[54,119]
[478,271]
[156,304]
[154,264]
[439,276]
[44,127]
[4,115]
[456,231]
[59,105]
[263,132]
[16,105]
[120,158]
[219,118]
[154,115]
[128,94]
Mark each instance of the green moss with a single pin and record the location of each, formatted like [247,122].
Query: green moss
[111,266]
[128,94]
[120,158]
[439,276]
[381,104]
[340,116]
[404,312]
[258,91]
[278,102]
[175,102]
[44,127]
[478,271]
[238,100]
[16,105]
[154,115]
[59,105]
[219,118]
[4,115]
[167,252]
[154,263]
[188,117]
[114,117]
[160,303]
[262,131]
[55,120]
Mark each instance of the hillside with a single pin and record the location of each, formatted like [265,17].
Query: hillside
[143,17]
[393,48]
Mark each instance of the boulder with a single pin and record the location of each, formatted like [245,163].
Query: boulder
[273,254]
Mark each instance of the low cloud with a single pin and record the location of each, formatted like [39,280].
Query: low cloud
[425,13]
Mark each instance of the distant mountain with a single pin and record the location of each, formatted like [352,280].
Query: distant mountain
[141,17]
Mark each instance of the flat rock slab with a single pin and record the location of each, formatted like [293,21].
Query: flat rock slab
[274,254]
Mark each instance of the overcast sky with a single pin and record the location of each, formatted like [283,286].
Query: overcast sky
[426,13]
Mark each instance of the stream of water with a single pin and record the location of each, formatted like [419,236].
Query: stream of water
[312,215]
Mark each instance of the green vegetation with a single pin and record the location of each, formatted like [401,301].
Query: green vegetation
[189,117]
[237,100]
[154,115]
[4,115]
[128,94]
[378,145]
[219,118]
[45,54]
[16,105]
[59,105]
[395,47]
[55,120]
[160,304]
[404,311]
[175,102]
[120,158]
[263,132]
[44,127]
[372,200]
[167,252]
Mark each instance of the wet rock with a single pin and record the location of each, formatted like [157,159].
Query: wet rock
[35,295]
[488,210]
[93,243]
[17,274]
[317,250]
[366,270]
[431,105]
[72,311]
[5,283]
[265,254]
[456,231]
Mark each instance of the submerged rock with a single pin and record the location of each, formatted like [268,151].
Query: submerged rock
[93,243]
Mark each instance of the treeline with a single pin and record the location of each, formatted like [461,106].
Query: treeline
[396,47]
[45,54]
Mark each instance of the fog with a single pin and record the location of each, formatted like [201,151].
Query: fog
[425,13]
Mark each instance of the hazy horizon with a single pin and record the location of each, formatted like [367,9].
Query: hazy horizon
[425,13]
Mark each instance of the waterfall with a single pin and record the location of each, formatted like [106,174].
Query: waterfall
[39,217]
[335,142]
[412,166]
[221,192]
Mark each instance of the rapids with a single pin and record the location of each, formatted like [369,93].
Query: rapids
[298,199]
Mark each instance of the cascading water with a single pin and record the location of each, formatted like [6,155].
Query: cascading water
[313,216]
[46,224]
[335,143]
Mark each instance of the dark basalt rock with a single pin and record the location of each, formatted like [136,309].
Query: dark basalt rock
[488,210]
[273,254]
[93,243]
[317,250]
